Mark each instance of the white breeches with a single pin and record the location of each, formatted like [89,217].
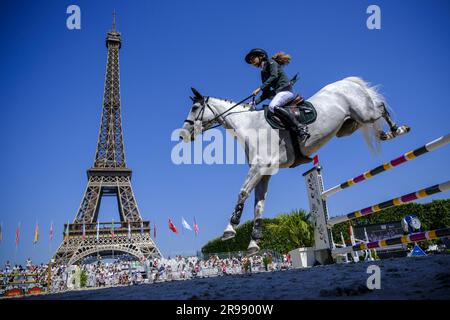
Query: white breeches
[280,99]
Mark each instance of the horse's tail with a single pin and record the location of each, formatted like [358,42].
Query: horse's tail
[371,130]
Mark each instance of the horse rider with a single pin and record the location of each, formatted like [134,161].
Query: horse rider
[276,84]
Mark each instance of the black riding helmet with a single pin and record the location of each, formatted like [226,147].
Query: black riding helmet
[254,52]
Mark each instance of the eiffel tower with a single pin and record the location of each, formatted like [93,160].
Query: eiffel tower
[86,237]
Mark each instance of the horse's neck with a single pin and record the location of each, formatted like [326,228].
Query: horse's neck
[236,118]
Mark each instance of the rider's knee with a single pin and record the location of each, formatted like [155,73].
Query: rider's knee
[274,107]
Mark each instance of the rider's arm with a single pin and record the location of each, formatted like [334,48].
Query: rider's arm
[273,70]
[267,93]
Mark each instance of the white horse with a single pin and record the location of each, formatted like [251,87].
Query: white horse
[342,108]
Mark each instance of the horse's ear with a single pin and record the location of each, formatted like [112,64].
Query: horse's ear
[196,94]
[193,100]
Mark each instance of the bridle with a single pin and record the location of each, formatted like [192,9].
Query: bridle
[204,104]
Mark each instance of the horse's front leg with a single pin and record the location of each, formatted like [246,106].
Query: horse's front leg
[260,199]
[253,177]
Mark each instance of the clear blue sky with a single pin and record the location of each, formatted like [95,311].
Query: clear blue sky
[51,89]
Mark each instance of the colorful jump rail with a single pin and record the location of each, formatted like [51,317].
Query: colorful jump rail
[390,203]
[433,145]
[415,237]
[317,196]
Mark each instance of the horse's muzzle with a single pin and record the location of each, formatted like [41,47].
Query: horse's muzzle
[186,135]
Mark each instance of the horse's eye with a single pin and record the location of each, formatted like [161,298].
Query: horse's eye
[194,108]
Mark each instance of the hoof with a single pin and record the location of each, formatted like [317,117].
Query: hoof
[253,248]
[402,130]
[383,136]
[229,233]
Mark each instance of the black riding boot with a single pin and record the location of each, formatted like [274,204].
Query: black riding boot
[300,129]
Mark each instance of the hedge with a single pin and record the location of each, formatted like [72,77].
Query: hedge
[286,232]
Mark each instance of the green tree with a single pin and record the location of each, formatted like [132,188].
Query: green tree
[83,279]
[281,234]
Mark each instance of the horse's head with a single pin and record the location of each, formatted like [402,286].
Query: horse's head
[201,117]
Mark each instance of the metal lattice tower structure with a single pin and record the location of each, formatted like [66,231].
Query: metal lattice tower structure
[109,176]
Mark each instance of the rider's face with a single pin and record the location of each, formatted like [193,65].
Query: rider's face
[256,61]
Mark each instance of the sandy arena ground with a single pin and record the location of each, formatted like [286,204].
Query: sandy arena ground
[401,278]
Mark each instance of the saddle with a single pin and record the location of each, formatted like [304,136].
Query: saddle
[304,112]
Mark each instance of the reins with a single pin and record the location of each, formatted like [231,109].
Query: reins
[205,103]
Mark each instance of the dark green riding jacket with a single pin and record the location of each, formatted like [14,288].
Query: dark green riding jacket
[273,77]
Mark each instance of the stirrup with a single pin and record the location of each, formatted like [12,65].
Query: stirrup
[302,132]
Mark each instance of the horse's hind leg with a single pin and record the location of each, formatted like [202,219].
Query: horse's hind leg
[394,129]
[260,198]
[253,177]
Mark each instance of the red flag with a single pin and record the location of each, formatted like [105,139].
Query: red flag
[154,231]
[316,160]
[172,226]
[195,227]
[18,235]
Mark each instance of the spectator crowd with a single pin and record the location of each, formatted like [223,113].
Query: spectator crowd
[125,272]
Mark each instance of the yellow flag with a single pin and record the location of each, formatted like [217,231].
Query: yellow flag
[36,234]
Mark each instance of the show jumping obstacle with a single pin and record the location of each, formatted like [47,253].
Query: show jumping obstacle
[390,203]
[324,246]
[415,237]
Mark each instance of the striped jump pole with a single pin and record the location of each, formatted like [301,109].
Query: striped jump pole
[415,237]
[433,145]
[390,203]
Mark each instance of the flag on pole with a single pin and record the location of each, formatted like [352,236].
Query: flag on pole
[316,160]
[195,227]
[112,230]
[66,235]
[185,224]
[129,230]
[172,227]
[18,235]
[36,234]
[84,231]
[154,231]
[142,228]
[51,231]
[98,230]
